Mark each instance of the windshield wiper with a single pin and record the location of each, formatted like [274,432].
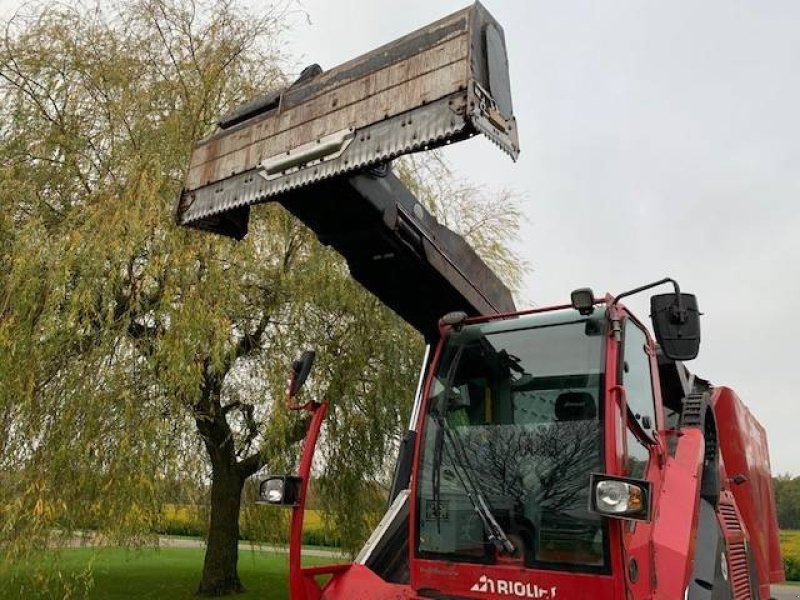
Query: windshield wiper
[462,468]
[466,477]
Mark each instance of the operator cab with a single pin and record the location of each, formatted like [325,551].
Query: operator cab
[542,444]
[515,417]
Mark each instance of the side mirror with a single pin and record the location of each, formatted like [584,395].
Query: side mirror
[281,490]
[676,322]
[300,370]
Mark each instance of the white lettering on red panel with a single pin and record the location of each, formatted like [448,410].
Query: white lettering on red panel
[508,587]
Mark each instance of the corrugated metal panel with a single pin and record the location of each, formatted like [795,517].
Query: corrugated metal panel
[440,84]
[737,571]
[730,518]
[736,538]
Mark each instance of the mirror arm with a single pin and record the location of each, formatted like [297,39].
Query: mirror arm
[311,406]
[613,315]
[649,286]
[297,585]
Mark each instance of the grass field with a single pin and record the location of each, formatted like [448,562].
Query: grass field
[173,573]
[168,573]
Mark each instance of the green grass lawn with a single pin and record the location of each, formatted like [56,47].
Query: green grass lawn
[169,573]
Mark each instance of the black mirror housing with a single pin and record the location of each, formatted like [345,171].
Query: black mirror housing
[676,323]
[300,370]
[279,490]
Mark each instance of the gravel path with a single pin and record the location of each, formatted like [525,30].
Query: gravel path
[89,539]
[786,592]
[171,542]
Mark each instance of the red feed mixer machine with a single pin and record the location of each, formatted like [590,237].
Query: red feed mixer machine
[560,452]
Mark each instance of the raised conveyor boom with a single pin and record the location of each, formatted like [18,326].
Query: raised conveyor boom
[321,148]
[397,250]
[440,84]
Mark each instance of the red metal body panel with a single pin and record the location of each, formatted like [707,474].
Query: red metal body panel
[743,443]
[413,508]
[613,428]
[637,541]
[615,441]
[301,587]
[359,583]
[495,582]
[675,519]
[663,550]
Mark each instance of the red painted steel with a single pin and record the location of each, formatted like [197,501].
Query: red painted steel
[461,580]
[359,583]
[675,519]
[413,508]
[613,428]
[745,452]
[301,587]
[647,560]
[521,313]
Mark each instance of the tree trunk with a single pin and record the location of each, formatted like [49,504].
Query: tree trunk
[220,573]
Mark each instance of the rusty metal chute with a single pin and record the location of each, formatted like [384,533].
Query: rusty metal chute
[322,146]
[440,84]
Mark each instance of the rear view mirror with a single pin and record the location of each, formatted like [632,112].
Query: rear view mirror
[676,322]
[300,370]
[282,490]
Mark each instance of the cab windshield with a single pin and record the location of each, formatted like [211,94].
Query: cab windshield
[515,418]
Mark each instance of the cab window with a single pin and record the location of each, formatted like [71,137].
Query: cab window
[637,378]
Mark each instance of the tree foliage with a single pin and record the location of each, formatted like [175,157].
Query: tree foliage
[134,354]
[488,219]
[787,499]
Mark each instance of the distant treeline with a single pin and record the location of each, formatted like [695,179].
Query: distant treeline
[787,498]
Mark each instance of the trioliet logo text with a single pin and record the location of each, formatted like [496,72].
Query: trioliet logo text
[508,587]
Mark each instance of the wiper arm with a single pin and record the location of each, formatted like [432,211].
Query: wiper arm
[466,477]
[461,466]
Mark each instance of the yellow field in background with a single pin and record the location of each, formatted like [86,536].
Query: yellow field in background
[185,519]
[179,519]
[790,549]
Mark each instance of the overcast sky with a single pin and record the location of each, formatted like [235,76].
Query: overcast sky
[658,138]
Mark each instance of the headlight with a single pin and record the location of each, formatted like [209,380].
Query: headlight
[620,497]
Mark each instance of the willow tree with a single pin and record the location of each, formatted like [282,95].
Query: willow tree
[129,347]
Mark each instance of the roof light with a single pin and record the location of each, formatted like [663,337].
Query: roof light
[583,300]
[453,319]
